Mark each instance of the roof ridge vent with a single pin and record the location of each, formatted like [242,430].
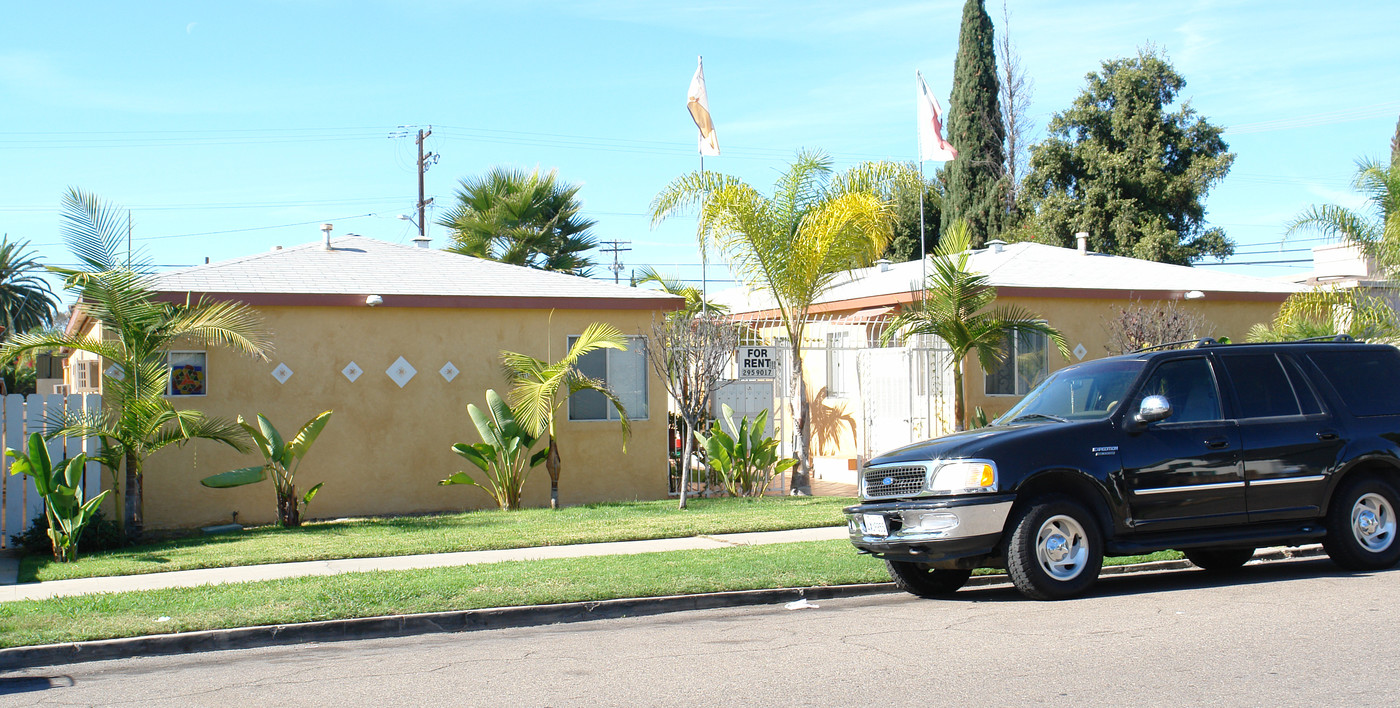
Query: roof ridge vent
[997,245]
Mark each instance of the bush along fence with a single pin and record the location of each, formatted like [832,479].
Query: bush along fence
[21,415]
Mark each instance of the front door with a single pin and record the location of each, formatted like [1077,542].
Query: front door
[1185,470]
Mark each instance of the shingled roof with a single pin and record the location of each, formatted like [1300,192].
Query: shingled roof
[1035,270]
[356,267]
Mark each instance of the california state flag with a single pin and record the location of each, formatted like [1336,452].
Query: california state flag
[932,146]
[699,106]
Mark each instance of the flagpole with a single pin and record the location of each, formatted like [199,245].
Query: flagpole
[923,250]
[704,261]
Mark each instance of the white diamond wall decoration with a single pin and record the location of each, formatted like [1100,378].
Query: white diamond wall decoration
[282,373]
[115,372]
[449,371]
[1080,351]
[352,371]
[401,371]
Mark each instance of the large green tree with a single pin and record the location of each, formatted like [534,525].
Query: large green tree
[136,333]
[26,301]
[976,192]
[1124,167]
[958,306]
[793,244]
[522,218]
[904,243]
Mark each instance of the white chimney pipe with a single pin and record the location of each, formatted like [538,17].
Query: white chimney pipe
[1083,238]
[884,264]
[422,241]
[326,229]
[996,245]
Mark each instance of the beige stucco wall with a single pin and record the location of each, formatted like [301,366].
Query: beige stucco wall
[1081,321]
[386,447]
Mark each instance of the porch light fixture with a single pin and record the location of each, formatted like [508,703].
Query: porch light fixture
[374,301]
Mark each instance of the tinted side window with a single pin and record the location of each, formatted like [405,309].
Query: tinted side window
[1367,380]
[1260,385]
[1189,386]
[1307,397]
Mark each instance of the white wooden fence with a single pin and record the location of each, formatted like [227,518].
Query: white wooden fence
[22,415]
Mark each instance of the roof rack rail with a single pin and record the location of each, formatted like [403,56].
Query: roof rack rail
[1201,342]
[1336,338]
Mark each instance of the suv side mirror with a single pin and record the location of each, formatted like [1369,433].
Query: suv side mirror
[1153,409]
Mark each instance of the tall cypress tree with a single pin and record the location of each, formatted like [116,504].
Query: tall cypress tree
[974,127]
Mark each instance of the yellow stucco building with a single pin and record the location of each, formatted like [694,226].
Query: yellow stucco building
[397,340]
[1074,290]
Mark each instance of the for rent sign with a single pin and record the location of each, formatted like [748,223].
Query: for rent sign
[757,362]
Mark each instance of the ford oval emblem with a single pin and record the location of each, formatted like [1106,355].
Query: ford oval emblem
[887,481]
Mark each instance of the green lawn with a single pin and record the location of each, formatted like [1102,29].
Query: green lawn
[506,584]
[441,533]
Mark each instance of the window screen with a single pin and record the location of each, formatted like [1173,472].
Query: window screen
[624,372]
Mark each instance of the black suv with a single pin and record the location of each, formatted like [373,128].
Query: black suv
[1214,450]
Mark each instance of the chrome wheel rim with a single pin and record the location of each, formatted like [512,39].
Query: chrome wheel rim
[1062,547]
[1373,522]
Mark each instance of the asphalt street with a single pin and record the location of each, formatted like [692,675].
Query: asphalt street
[1284,633]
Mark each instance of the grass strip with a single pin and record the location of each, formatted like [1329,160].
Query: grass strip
[507,584]
[442,533]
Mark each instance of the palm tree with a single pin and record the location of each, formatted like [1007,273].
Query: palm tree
[26,301]
[522,218]
[135,332]
[535,386]
[695,302]
[956,307]
[792,244]
[1321,313]
[1377,229]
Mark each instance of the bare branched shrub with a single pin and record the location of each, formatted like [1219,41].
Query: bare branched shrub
[1137,325]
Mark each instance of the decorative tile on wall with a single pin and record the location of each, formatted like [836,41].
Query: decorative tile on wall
[449,371]
[401,372]
[352,371]
[115,372]
[1080,351]
[282,373]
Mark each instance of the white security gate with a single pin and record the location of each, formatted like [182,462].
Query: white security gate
[902,391]
[19,503]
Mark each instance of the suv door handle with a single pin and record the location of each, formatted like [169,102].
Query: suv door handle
[1217,443]
[1328,435]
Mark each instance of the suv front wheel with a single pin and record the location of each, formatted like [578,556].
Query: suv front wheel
[1361,525]
[919,579]
[1055,551]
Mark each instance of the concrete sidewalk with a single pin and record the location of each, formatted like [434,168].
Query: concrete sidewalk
[9,566]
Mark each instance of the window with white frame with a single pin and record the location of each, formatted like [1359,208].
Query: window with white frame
[1027,362]
[188,374]
[624,372]
[87,374]
[840,369]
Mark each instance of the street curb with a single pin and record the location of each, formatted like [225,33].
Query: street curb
[490,618]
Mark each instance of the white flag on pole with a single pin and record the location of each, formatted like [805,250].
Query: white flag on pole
[932,146]
[699,106]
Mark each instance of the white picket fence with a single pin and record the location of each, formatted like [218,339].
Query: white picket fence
[22,415]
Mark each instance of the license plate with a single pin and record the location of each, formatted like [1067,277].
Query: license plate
[875,525]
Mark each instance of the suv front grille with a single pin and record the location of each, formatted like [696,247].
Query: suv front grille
[902,481]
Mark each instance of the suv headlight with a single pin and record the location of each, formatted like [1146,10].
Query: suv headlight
[964,477]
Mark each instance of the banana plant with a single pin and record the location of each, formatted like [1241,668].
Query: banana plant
[280,461]
[504,453]
[62,490]
[747,461]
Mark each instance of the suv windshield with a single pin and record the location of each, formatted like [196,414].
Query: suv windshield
[1086,392]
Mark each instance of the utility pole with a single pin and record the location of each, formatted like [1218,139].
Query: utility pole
[617,250]
[423,161]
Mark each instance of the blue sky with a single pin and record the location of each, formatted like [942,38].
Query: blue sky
[230,128]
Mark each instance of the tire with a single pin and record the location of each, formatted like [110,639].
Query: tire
[1055,550]
[1219,560]
[1361,525]
[918,579]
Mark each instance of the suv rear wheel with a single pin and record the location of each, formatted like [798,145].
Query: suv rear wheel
[1055,551]
[1219,560]
[1361,525]
[919,579]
